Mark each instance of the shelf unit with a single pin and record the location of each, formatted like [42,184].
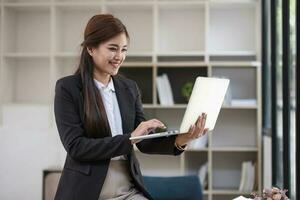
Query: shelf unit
[40,42]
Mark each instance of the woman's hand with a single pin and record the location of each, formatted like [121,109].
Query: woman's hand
[144,128]
[196,130]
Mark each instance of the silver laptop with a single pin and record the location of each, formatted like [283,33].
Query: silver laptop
[207,97]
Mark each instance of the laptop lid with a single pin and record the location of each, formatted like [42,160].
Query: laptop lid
[207,97]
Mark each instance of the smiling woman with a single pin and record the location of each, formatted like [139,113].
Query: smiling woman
[108,57]
[97,111]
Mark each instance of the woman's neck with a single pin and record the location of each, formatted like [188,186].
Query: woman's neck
[103,78]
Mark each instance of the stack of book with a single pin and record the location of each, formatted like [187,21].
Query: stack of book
[164,89]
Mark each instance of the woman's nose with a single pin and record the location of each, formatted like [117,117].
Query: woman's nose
[118,55]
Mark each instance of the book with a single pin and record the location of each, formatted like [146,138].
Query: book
[164,89]
[247,177]
[168,89]
[160,89]
[243,177]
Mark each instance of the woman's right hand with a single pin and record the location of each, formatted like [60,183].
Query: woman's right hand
[145,127]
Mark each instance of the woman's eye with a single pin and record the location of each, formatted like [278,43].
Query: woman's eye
[124,50]
[113,49]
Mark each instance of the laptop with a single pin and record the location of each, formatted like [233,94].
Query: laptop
[207,97]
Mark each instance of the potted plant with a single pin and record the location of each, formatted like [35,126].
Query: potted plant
[186,90]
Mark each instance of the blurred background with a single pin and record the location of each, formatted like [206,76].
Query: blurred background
[254,43]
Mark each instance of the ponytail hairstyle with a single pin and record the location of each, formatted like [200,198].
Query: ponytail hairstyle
[99,29]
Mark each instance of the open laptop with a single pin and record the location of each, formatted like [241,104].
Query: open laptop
[207,97]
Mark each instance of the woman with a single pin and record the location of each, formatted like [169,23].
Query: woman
[96,113]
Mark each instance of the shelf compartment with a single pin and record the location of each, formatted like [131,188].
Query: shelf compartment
[232,27]
[155,165]
[243,81]
[180,76]
[70,24]
[138,20]
[138,58]
[143,77]
[26,29]
[191,38]
[234,57]
[193,162]
[241,134]
[26,80]
[227,167]
[180,58]
[172,118]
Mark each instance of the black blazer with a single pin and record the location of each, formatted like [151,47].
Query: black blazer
[88,159]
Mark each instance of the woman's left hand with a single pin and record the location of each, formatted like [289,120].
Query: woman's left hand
[196,130]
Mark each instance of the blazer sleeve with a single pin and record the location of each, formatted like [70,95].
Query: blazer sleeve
[73,135]
[163,145]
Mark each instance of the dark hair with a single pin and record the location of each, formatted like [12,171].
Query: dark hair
[99,29]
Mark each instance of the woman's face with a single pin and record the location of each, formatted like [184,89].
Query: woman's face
[109,56]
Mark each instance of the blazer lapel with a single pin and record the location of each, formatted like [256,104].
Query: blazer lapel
[123,97]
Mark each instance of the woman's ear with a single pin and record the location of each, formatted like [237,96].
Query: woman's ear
[90,51]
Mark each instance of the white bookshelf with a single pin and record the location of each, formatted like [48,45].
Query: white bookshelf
[40,42]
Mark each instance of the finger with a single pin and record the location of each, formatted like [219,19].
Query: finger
[196,132]
[198,122]
[158,121]
[203,120]
[202,123]
[192,131]
[199,125]
[202,133]
[154,125]
[160,124]
[151,129]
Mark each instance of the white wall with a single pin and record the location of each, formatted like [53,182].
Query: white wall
[25,150]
